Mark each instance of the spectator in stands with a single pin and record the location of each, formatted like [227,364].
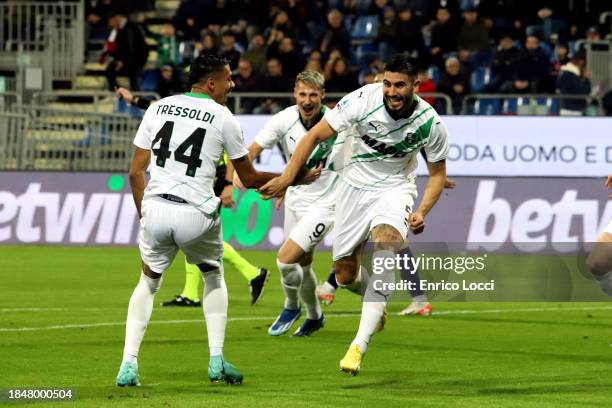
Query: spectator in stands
[574,78]
[379,8]
[474,35]
[247,80]
[533,69]
[409,38]
[169,82]
[427,85]
[228,50]
[454,83]
[274,81]
[501,17]
[560,58]
[129,52]
[443,36]
[466,61]
[209,44]
[337,36]
[256,53]
[190,17]
[168,50]
[342,78]
[388,34]
[503,66]
[290,58]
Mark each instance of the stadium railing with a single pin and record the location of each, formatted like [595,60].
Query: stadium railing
[524,104]
[13,127]
[237,99]
[57,139]
[49,34]
[9,99]
[84,100]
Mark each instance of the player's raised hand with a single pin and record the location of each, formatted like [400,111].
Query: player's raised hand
[125,94]
[416,223]
[227,196]
[274,188]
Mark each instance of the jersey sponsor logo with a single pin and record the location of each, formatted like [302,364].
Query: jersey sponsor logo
[184,112]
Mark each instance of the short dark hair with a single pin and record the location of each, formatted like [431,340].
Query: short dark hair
[205,65]
[402,63]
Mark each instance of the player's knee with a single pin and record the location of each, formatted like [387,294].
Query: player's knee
[387,237]
[597,264]
[204,267]
[345,272]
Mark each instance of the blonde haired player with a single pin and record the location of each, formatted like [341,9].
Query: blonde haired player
[309,209]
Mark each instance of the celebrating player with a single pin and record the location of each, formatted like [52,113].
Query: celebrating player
[599,260]
[177,207]
[256,276]
[309,209]
[374,196]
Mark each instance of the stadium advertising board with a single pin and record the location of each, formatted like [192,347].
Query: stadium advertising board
[505,146]
[97,209]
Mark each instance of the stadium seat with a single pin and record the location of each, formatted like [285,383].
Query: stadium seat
[364,29]
[510,106]
[365,53]
[553,106]
[149,80]
[487,107]
[479,78]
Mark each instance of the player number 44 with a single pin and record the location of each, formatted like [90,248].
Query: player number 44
[162,153]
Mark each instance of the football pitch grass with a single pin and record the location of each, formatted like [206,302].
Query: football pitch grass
[62,313]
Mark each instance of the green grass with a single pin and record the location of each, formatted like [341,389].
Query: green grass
[560,356]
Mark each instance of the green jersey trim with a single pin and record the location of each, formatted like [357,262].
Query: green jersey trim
[198,95]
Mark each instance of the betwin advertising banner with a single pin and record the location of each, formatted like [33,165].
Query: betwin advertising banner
[505,146]
[480,214]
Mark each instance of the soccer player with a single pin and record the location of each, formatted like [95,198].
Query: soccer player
[178,209]
[309,209]
[256,276]
[599,260]
[375,198]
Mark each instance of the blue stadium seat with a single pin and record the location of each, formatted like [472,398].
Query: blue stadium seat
[365,53]
[479,78]
[364,29]
[553,106]
[510,106]
[434,73]
[487,107]
[149,80]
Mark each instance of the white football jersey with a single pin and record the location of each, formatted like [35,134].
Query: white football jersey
[384,151]
[286,129]
[187,135]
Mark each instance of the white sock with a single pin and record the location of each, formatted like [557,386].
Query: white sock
[605,282]
[308,293]
[381,280]
[371,312]
[291,280]
[214,303]
[139,313]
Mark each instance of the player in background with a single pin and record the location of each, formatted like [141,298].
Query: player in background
[256,276]
[178,209]
[599,260]
[309,209]
[376,193]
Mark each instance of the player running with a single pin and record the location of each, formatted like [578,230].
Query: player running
[309,209]
[178,209]
[376,193]
[599,260]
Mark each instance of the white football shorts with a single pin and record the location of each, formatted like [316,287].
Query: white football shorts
[166,227]
[308,227]
[359,211]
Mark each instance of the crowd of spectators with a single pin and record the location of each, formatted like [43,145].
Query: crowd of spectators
[531,47]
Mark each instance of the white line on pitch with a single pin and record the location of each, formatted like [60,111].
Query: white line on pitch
[256,318]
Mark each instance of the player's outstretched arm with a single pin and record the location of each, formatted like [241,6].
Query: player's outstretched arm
[254,152]
[250,177]
[138,182]
[433,189]
[319,133]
